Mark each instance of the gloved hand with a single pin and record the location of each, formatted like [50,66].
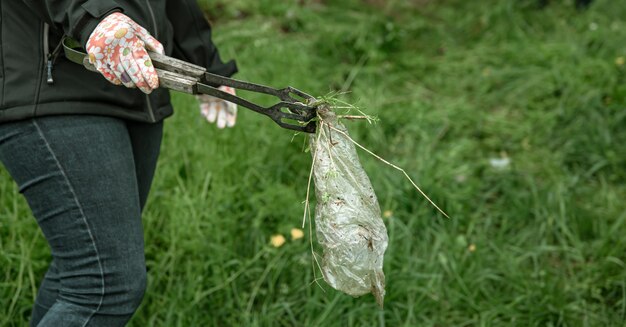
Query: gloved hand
[214,109]
[117,47]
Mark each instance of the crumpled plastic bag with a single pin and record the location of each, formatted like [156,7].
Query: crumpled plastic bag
[348,219]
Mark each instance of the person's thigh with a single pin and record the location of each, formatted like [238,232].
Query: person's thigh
[78,176]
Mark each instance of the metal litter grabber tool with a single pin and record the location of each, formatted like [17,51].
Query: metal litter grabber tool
[292,112]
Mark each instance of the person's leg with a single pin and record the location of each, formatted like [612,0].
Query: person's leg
[78,176]
[146,143]
[47,294]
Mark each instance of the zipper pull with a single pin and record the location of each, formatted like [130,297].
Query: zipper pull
[50,79]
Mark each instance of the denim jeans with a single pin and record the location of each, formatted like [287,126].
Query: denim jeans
[86,179]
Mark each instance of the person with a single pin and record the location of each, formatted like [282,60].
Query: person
[82,147]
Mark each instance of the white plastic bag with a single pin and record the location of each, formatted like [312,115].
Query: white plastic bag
[348,220]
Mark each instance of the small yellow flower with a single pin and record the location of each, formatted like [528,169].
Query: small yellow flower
[471,247]
[619,61]
[387,213]
[296,234]
[277,240]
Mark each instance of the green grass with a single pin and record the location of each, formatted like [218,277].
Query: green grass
[454,84]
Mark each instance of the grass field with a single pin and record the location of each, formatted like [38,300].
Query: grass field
[539,242]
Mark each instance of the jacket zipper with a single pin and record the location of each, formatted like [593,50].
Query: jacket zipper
[49,57]
[156,36]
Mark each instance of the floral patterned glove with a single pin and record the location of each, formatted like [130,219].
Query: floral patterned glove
[117,47]
[215,109]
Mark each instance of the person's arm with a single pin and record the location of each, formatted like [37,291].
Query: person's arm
[77,18]
[117,45]
[192,38]
[192,43]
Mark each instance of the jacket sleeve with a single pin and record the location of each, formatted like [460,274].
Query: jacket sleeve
[192,38]
[78,18]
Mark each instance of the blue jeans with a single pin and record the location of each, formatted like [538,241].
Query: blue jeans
[86,179]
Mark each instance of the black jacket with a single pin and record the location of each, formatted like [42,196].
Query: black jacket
[31,30]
